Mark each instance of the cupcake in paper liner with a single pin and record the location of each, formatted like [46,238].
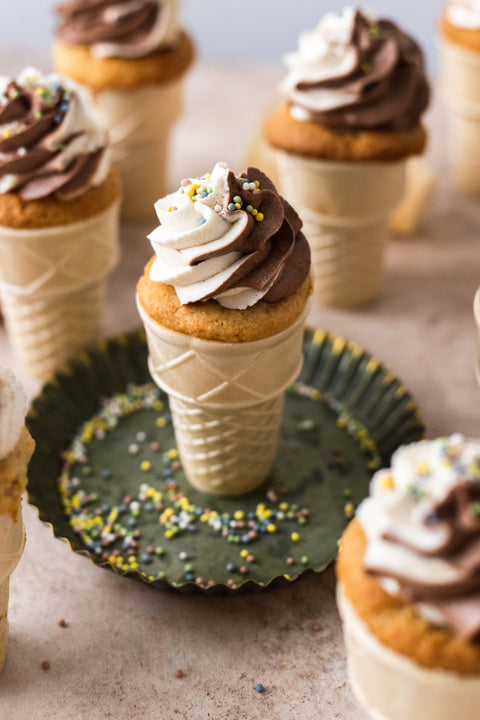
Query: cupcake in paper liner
[132,58]
[16,448]
[354,97]
[223,303]
[459,83]
[59,200]
[409,585]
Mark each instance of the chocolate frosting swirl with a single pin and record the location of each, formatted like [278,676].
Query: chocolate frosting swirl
[381,86]
[429,541]
[123,28]
[234,239]
[49,144]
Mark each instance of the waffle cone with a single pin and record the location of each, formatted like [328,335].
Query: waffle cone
[52,286]
[346,209]
[12,541]
[139,121]
[226,401]
[460,91]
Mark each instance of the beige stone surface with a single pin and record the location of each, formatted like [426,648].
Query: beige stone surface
[117,657]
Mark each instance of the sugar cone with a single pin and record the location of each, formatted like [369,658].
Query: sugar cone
[139,122]
[476,313]
[460,90]
[52,285]
[12,541]
[346,209]
[226,401]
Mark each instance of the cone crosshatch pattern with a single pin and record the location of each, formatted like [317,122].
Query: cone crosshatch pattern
[226,401]
[52,287]
[346,209]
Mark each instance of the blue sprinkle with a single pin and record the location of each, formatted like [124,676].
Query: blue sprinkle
[148,506]
[205,194]
[259,687]
[57,119]
[122,508]
[64,106]
[231,207]
[230,567]
[246,538]
[145,558]
[106,474]
[198,511]
[192,528]
[202,221]
[105,508]
[131,522]
[189,576]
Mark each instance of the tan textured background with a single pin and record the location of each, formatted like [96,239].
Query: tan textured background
[117,657]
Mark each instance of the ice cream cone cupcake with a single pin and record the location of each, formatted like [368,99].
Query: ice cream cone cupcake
[409,585]
[223,303]
[16,448]
[459,84]
[355,93]
[131,57]
[59,201]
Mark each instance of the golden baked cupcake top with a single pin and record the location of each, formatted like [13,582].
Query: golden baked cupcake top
[231,261]
[410,562]
[120,43]
[353,79]
[54,157]
[460,23]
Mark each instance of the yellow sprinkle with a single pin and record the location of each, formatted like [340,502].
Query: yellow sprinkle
[244,553]
[387,483]
[286,576]
[145,465]
[6,133]
[259,217]
[134,566]
[157,405]
[172,454]
[283,506]
[257,184]
[254,212]
[295,537]
[238,514]
[169,534]
[238,206]
[132,559]
[271,528]
[160,422]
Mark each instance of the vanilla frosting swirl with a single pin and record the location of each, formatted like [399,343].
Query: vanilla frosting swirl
[464,14]
[50,143]
[13,406]
[356,73]
[233,239]
[120,28]
[422,524]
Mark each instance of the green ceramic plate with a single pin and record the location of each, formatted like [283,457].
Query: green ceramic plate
[105,473]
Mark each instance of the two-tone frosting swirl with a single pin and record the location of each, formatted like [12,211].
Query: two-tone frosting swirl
[13,406]
[230,238]
[356,73]
[120,28]
[50,143]
[464,14]
[422,523]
